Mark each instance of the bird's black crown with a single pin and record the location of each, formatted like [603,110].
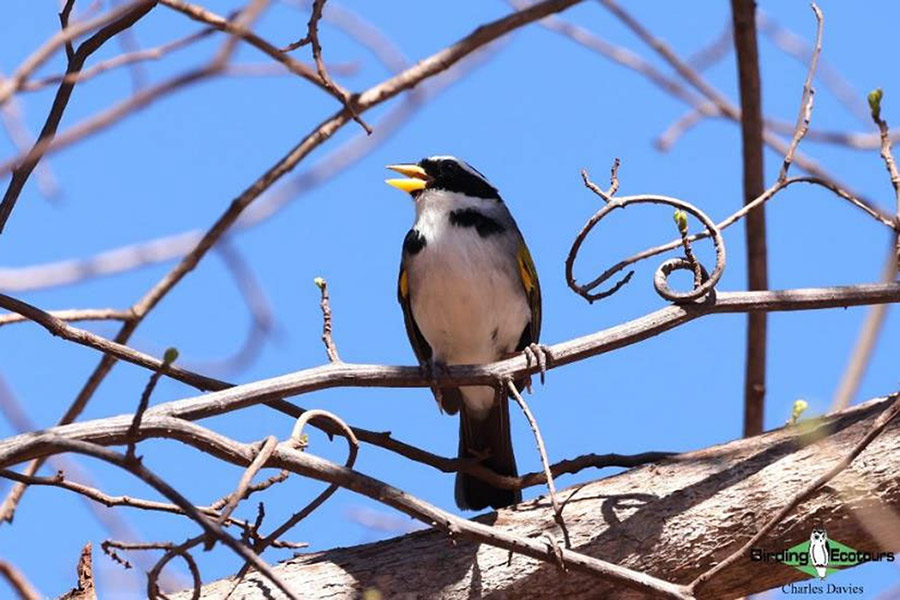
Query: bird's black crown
[454,175]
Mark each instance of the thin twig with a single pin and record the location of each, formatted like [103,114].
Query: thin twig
[64,15]
[330,347]
[265,452]
[886,154]
[806,98]
[545,462]
[170,356]
[799,48]
[18,582]
[59,481]
[202,15]
[312,38]
[868,335]
[251,489]
[74,314]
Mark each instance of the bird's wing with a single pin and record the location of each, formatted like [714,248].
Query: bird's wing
[416,339]
[528,275]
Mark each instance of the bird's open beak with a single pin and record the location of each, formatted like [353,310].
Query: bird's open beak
[416,180]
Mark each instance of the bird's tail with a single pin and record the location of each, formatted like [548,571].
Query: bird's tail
[488,440]
[821,572]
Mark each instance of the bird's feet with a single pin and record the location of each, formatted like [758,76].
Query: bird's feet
[432,369]
[540,355]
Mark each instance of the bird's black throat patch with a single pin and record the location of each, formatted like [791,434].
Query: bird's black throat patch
[413,242]
[470,217]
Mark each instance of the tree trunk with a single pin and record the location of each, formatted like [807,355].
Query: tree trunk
[673,520]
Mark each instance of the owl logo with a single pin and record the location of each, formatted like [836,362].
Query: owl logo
[819,551]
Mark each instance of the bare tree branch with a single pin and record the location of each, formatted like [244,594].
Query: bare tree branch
[18,582]
[74,314]
[23,169]
[743,14]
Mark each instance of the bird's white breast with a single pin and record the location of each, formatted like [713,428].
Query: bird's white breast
[465,291]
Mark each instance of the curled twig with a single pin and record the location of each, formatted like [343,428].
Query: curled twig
[699,291]
[295,442]
[153,575]
[739,214]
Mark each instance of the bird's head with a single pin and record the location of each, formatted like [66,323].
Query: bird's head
[446,173]
[818,535]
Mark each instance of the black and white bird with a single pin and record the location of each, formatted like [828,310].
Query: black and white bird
[819,551]
[470,295]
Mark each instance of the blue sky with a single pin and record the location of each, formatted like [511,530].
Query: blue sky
[540,109]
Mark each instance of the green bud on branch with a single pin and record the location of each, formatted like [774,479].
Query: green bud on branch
[874,98]
[170,356]
[681,221]
[797,411]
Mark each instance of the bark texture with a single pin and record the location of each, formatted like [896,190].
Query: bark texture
[673,519]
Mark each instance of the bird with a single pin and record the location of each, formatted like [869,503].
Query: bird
[470,294]
[819,551]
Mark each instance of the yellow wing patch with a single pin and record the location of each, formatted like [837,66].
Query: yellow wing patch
[404,284]
[532,287]
[526,268]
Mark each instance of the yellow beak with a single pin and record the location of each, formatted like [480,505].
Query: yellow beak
[417,178]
